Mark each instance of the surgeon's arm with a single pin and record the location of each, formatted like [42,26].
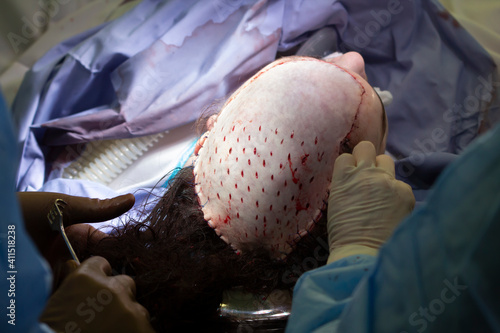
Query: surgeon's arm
[366,203]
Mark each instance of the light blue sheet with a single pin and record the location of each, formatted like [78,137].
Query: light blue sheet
[159,65]
[438,273]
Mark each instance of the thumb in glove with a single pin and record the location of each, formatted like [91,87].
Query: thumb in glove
[366,202]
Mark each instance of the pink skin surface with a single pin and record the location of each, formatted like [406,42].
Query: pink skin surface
[372,120]
[372,114]
[264,167]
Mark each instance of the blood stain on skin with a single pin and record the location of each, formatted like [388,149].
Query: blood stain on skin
[304,159]
[295,179]
[299,206]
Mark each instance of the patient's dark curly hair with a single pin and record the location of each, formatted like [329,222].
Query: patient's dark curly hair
[181,267]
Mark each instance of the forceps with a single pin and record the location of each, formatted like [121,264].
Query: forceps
[56,223]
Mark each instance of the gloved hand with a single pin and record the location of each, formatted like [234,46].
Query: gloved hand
[366,202]
[35,207]
[90,300]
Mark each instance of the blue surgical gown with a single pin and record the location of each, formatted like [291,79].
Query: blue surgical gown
[439,271]
[25,278]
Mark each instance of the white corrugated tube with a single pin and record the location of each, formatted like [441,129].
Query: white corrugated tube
[102,161]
